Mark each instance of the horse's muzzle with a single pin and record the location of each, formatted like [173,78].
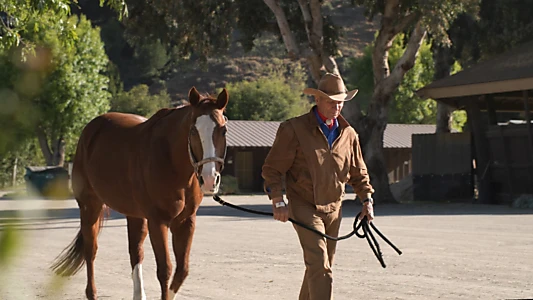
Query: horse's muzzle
[209,183]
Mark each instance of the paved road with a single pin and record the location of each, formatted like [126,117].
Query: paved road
[454,251]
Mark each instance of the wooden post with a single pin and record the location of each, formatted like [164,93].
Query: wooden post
[530,137]
[491,111]
[508,166]
[482,151]
[14,179]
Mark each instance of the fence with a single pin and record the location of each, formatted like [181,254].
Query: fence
[511,165]
[442,167]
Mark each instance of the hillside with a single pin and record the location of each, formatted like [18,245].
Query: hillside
[268,54]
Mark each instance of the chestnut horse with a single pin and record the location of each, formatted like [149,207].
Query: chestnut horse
[147,170]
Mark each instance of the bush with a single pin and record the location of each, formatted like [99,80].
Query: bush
[229,185]
[270,98]
[139,101]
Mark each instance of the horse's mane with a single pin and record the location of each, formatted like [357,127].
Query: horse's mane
[204,99]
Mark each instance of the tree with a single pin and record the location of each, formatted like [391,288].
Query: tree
[20,62]
[200,29]
[415,18]
[320,34]
[407,107]
[62,81]
[16,14]
[270,98]
[502,25]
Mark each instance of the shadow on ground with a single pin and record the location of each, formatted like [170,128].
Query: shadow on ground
[350,209]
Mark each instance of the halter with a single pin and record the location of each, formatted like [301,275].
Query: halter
[197,164]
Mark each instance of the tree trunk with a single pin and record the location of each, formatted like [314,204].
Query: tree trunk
[443,65]
[371,132]
[45,148]
[331,65]
[284,28]
[371,127]
[313,27]
[315,66]
[14,178]
[54,156]
[313,52]
[444,117]
[59,152]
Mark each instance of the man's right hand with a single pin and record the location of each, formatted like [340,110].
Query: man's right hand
[281,211]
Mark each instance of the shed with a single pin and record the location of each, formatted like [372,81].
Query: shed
[493,93]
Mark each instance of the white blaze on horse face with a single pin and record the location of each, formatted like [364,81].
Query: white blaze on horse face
[206,126]
[138,286]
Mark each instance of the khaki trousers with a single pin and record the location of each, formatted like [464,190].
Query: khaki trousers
[317,251]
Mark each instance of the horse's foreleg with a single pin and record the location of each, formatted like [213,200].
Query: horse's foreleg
[159,239]
[91,218]
[137,231]
[182,234]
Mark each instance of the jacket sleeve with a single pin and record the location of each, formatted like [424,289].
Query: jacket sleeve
[279,160]
[359,179]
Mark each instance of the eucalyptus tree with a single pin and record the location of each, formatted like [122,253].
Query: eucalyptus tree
[415,18]
[307,33]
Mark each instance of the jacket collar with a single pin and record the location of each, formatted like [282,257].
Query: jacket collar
[313,124]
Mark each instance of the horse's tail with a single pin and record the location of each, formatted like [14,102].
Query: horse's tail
[71,259]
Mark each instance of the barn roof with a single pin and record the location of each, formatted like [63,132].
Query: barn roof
[262,133]
[503,75]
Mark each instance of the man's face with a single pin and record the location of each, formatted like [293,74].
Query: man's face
[329,108]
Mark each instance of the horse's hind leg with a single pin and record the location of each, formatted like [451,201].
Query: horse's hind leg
[137,231]
[91,214]
[182,234]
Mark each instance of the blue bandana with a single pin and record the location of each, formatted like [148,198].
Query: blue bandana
[330,134]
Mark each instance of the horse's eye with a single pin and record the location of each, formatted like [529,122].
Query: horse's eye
[193,133]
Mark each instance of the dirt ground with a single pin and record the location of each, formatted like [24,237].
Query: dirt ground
[450,251]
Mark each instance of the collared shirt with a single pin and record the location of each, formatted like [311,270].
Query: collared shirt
[330,134]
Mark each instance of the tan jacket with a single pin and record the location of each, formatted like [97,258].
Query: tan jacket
[314,173]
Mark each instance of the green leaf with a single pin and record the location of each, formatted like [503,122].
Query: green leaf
[9,243]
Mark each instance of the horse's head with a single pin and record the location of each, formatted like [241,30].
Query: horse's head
[207,138]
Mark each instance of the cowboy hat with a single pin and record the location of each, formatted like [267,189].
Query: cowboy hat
[332,87]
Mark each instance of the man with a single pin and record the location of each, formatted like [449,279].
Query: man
[317,153]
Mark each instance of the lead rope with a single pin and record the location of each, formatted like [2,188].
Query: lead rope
[367,233]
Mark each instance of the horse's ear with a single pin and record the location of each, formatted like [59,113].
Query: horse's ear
[194,96]
[222,99]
